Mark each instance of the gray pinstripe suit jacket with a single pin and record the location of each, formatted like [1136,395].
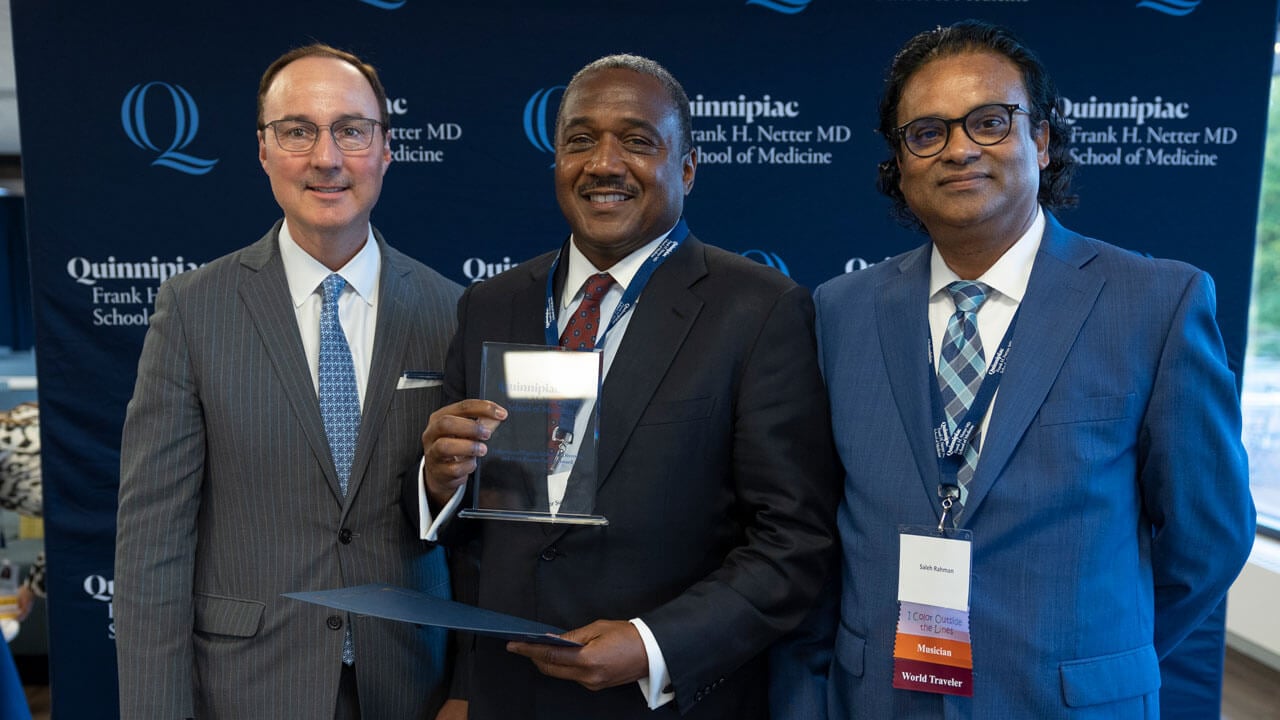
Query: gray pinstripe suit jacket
[228,498]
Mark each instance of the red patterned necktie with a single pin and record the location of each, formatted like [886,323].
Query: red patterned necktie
[579,334]
[584,324]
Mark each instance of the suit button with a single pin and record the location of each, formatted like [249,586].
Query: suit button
[344,536]
[334,622]
[549,554]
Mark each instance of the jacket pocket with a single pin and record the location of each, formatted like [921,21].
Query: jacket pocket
[1108,678]
[850,650]
[227,616]
[1091,409]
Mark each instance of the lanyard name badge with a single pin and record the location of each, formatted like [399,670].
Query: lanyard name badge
[932,651]
[629,296]
[562,437]
[949,443]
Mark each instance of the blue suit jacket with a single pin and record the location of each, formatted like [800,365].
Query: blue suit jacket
[1110,507]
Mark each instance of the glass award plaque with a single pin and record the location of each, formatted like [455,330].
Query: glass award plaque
[541,465]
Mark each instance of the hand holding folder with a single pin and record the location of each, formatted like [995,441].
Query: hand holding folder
[396,603]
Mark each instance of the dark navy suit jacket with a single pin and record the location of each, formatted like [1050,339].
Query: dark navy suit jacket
[716,474]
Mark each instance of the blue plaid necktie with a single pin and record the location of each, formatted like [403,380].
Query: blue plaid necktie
[339,399]
[962,366]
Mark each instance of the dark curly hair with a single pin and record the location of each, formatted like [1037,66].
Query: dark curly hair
[964,37]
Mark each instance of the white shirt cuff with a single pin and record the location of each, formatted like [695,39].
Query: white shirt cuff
[429,528]
[658,679]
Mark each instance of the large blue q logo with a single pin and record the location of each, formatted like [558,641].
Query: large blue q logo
[385,4]
[186,121]
[1177,8]
[787,7]
[540,119]
[771,259]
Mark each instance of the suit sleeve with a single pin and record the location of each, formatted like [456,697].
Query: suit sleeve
[161,472]
[785,479]
[462,545]
[800,661]
[1194,474]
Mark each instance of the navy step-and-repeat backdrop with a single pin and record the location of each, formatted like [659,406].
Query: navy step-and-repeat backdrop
[141,162]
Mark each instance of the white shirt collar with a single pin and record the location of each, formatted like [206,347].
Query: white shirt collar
[1008,276]
[623,271]
[305,273]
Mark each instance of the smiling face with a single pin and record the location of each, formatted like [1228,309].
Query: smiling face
[620,174]
[970,191]
[326,194]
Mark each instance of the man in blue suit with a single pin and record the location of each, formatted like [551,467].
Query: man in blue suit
[1108,510]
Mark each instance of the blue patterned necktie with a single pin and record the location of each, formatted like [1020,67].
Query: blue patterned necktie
[962,367]
[339,399]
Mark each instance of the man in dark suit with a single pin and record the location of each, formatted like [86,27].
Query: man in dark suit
[273,440]
[1108,508]
[715,468]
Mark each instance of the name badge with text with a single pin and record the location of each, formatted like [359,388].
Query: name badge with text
[931,650]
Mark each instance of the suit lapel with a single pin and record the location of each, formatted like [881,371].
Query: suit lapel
[265,293]
[1060,296]
[528,303]
[902,317]
[396,300]
[660,322]
[658,327]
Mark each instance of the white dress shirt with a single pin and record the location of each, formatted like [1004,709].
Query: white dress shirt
[579,270]
[1007,279]
[357,305]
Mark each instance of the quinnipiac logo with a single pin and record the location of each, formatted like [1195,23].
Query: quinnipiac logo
[787,7]
[385,4]
[540,119]
[186,121]
[103,590]
[1177,8]
[771,259]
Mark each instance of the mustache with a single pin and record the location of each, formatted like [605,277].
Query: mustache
[609,184]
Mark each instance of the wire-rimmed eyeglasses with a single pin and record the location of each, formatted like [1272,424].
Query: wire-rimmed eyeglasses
[985,125]
[350,134]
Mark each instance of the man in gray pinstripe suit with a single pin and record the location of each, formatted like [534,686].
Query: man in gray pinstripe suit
[229,493]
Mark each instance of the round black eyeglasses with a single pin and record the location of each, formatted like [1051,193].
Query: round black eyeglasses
[985,125]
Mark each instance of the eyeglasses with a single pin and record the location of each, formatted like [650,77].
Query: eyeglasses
[985,125]
[349,135]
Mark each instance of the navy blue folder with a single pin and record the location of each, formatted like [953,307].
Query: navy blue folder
[397,603]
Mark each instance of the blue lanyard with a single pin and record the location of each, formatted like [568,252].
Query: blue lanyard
[629,296]
[950,444]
